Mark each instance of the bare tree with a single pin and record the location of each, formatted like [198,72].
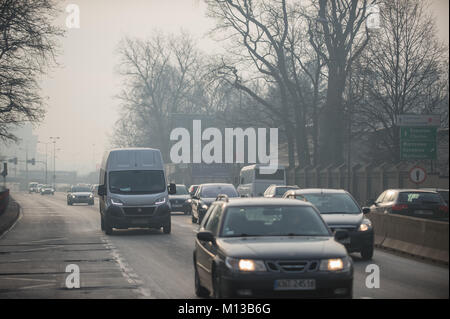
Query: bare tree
[27,48]
[345,35]
[161,76]
[405,70]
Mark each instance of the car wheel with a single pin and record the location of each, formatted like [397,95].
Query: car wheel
[217,286]
[107,228]
[167,228]
[194,220]
[367,253]
[200,291]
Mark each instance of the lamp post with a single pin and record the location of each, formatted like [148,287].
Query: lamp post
[54,139]
[46,166]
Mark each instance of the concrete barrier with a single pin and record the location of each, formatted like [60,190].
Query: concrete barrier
[419,237]
[4,199]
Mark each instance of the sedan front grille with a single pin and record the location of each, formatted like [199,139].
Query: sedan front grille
[293,265]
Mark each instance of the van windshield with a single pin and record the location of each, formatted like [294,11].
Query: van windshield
[137,182]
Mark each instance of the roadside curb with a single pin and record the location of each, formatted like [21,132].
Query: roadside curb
[10,217]
[412,256]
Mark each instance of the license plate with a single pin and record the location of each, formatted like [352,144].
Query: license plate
[177,206]
[139,221]
[295,284]
[423,212]
[345,241]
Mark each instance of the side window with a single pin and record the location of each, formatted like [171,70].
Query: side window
[208,213]
[380,198]
[213,221]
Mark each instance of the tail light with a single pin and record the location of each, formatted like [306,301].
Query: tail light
[398,207]
[443,208]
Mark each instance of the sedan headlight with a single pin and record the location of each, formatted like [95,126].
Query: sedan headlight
[73,196]
[365,225]
[245,265]
[90,196]
[205,207]
[335,264]
[160,201]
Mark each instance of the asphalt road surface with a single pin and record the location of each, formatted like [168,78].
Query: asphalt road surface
[136,263]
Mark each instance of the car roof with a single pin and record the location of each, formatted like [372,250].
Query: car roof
[318,191]
[263,201]
[216,184]
[412,190]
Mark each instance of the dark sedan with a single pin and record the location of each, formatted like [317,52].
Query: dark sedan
[179,200]
[341,211]
[411,202]
[205,195]
[274,248]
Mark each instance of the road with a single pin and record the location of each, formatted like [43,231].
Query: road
[137,263]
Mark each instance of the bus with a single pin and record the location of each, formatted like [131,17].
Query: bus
[253,182]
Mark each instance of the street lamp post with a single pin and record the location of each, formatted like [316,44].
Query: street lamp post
[46,166]
[54,138]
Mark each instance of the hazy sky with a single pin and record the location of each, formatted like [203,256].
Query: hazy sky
[81,107]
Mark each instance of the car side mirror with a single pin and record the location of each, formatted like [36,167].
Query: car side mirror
[172,189]
[340,234]
[366,210]
[206,236]
[101,190]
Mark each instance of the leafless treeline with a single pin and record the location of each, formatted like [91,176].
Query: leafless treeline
[313,69]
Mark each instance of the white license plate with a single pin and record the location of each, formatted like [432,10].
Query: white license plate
[295,284]
[177,206]
[345,241]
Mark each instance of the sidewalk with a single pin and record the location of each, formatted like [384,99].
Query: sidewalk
[9,217]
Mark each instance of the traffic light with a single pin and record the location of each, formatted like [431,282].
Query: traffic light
[33,161]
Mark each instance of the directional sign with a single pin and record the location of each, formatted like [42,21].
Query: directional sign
[417,175]
[419,120]
[418,143]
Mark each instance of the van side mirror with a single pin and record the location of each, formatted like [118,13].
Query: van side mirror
[172,189]
[101,190]
[366,210]
[340,234]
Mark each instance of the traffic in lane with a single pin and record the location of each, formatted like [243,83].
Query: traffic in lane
[152,264]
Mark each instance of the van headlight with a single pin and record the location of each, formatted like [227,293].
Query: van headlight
[117,202]
[245,265]
[335,264]
[160,201]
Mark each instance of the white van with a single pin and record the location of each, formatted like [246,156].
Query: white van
[132,190]
[253,183]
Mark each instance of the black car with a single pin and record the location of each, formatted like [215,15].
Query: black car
[178,202]
[341,211]
[205,195]
[80,194]
[274,248]
[278,190]
[411,202]
[443,192]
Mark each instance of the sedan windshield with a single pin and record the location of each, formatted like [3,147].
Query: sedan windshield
[181,190]
[328,203]
[214,190]
[137,182]
[80,189]
[273,221]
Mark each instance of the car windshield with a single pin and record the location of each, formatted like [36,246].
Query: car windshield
[279,191]
[214,190]
[273,221]
[328,203]
[137,182]
[80,189]
[181,190]
[419,197]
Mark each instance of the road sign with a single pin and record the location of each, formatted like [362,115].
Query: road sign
[417,175]
[419,120]
[418,143]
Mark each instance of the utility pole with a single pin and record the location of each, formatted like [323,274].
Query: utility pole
[54,138]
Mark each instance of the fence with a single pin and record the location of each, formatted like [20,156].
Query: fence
[367,181]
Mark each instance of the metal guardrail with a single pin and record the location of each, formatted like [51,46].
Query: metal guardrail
[4,199]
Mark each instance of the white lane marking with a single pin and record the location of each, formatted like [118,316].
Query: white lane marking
[42,240]
[127,272]
[28,279]
[36,286]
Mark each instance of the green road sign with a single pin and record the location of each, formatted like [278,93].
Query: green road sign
[418,143]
